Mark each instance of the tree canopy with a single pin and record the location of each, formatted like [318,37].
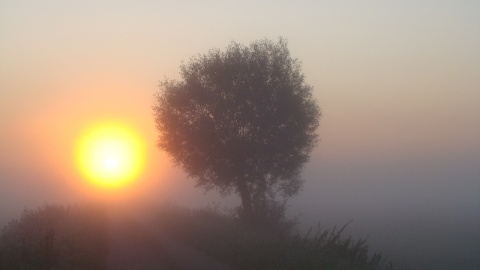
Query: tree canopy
[241,120]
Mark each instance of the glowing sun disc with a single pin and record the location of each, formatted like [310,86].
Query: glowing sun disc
[110,155]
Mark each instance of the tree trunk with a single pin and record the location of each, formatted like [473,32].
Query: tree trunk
[247,209]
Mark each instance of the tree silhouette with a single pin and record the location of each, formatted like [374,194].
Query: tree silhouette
[241,120]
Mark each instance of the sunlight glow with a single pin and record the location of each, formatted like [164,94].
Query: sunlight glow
[110,155]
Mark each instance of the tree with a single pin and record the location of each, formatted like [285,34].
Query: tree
[240,120]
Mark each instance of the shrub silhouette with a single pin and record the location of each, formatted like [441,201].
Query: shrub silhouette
[223,237]
[55,237]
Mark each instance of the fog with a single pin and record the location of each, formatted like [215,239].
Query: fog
[420,212]
[398,85]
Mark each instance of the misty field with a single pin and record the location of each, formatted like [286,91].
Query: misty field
[77,237]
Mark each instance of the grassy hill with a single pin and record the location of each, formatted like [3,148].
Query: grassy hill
[77,237]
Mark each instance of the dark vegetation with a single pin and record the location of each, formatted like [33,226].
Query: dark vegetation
[75,237]
[241,120]
[55,237]
[279,246]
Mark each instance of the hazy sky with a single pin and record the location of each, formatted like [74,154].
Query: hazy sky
[398,83]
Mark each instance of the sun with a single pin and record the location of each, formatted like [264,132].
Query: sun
[110,155]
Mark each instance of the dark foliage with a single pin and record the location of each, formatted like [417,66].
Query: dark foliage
[55,237]
[240,120]
[279,247]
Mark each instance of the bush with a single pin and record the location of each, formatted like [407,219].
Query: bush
[55,237]
[225,238]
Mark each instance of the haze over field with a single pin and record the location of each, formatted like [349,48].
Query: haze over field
[398,84]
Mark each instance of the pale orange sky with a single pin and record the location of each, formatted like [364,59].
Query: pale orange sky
[398,84]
